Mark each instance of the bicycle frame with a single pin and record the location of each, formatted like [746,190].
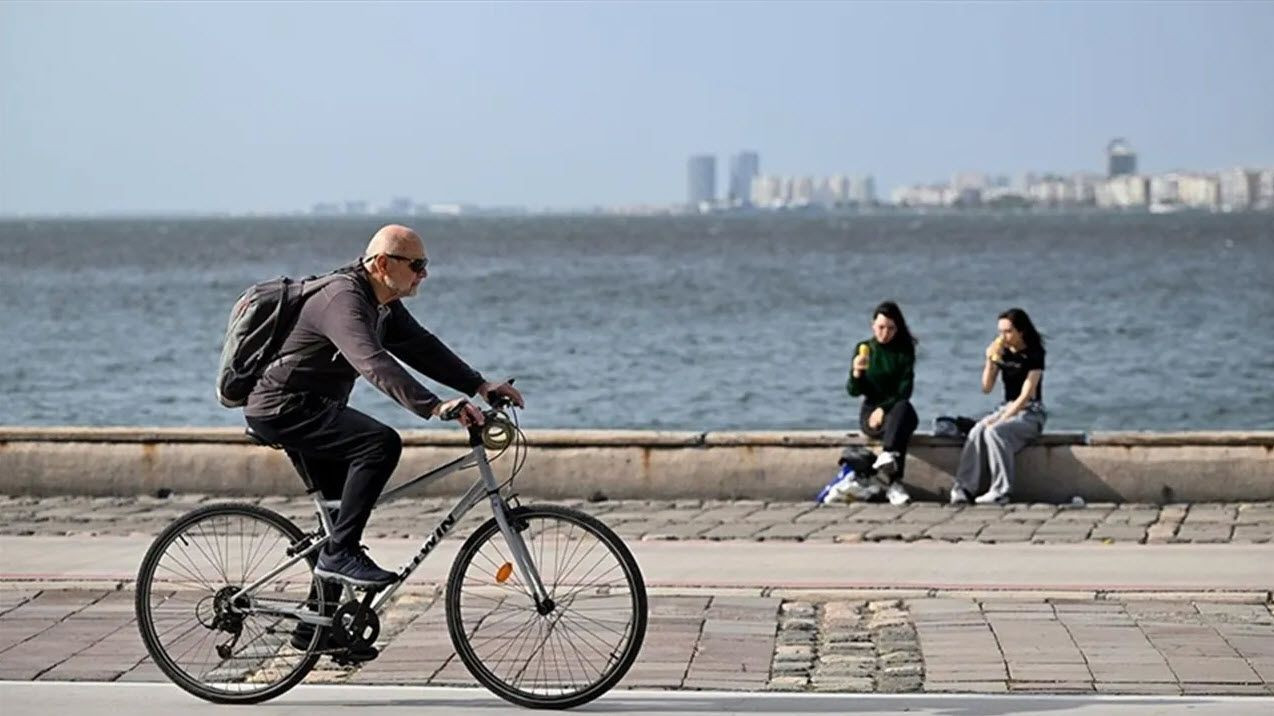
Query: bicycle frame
[484,486]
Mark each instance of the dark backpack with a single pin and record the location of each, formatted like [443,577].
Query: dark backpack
[859,459]
[260,321]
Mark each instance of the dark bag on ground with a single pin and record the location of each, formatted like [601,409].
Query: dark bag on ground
[859,459]
[853,480]
[957,426]
[261,319]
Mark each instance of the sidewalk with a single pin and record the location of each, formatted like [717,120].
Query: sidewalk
[755,643]
[760,596]
[1247,523]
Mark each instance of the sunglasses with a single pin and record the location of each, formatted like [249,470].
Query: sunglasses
[417,265]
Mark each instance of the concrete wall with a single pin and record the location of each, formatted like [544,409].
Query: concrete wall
[1100,467]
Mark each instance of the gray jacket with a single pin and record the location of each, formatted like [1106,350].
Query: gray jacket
[342,333]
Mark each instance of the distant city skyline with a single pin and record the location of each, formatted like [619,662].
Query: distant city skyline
[123,107]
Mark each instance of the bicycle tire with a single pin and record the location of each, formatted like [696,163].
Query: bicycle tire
[556,572]
[183,529]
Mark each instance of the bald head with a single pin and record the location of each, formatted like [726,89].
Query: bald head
[389,260]
[394,239]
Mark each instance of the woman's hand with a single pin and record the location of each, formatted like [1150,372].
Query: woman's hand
[995,351]
[876,418]
[859,365]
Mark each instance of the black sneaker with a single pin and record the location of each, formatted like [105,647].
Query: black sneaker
[304,633]
[353,567]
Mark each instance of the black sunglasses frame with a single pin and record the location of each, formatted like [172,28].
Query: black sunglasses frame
[417,265]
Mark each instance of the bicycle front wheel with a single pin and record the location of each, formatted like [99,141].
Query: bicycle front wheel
[558,658]
[219,648]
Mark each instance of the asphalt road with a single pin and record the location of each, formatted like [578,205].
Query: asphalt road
[42,698]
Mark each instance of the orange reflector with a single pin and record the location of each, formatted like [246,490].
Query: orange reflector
[502,574]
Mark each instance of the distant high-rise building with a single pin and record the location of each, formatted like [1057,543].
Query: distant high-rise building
[1085,187]
[964,181]
[1165,189]
[802,191]
[701,180]
[835,191]
[1264,189]
[1201,191]
[400,206]
[767,191]
[1120,158]
[1239,189]
[1124,191]
[744,167]
[862,190]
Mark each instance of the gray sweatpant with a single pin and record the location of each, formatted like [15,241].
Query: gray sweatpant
[993,448]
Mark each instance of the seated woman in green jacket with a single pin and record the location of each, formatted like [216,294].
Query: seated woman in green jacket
[883,372]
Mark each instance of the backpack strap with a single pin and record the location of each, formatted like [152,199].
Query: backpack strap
[305,288]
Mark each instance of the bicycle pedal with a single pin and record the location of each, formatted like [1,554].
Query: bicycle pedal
[354,657]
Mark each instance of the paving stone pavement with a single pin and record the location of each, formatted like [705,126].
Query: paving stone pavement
[754,643]
[715,520]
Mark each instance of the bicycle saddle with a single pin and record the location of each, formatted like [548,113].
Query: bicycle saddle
[257,438]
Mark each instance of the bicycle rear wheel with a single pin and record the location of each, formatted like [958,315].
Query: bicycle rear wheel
[567,656]
[216,649]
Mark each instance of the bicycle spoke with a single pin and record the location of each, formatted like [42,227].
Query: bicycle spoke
[582,660]
[558,656]
[576,629]
[219,553]
[598,581]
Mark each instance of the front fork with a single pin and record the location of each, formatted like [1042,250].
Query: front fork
[513,536]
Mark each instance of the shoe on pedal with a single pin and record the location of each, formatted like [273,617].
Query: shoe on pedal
[355,655]
[353,567]
[304,632]
[302,635]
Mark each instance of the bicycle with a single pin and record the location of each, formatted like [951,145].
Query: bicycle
[545,605]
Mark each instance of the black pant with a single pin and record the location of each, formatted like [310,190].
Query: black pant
[895,430]
[347,454]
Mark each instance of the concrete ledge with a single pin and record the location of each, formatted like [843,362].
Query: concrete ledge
[651,438]
[633,464]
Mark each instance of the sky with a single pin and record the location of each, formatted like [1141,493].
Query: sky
[270,107]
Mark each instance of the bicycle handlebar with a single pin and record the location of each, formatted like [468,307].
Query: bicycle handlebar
[454,412]
[497,402]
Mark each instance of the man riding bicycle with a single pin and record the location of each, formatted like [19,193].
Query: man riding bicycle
[357,325]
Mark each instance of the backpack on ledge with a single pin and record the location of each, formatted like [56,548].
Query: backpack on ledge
[261,319]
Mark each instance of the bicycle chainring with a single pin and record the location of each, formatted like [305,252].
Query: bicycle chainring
[355,627]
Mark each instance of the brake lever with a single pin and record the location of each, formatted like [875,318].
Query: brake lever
[453,413]
[502,401]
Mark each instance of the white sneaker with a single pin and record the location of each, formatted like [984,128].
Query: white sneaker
[959,497]
[886,463]
[897,494]
[990,498]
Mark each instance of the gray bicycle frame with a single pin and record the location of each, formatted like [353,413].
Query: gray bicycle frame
[484,486]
